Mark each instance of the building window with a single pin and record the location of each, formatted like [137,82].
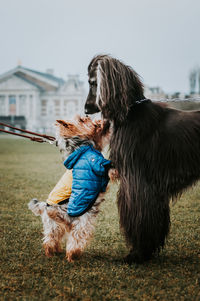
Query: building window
[65,106]
[12,105]
[2,105]
[44,107]
[57,107]
[72,108]
[22,105]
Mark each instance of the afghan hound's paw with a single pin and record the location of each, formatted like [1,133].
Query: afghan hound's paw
[113,174]
[134,257]
[36,207]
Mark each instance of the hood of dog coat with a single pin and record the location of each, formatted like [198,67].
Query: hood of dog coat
[97,161]
[73,158]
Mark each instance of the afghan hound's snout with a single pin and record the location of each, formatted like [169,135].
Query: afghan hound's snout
[91,107]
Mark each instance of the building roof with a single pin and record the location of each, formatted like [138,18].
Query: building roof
[47,75]
[43,81]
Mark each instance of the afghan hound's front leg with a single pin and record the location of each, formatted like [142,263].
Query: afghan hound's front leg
[145,221]
[79,236]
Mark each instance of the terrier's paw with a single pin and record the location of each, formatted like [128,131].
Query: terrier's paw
[36,207]
[32,203]
[113,174]
[73,255]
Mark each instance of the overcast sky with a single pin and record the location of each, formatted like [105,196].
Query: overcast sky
[160,39]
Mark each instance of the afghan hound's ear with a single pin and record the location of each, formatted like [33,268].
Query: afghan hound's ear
[118,87]
[113,96]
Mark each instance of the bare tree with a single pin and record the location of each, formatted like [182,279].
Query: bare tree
[193,79]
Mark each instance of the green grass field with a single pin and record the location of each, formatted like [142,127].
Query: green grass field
[28,170]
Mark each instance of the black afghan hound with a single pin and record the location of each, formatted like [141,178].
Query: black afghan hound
[155,149]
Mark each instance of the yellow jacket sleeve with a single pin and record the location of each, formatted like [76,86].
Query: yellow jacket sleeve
[62,190]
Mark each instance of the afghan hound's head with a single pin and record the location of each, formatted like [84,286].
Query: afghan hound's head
[114,88]
[72,134]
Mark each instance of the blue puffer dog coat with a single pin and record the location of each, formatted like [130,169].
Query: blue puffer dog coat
[90,177]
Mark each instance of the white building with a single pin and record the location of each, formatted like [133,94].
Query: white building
[39,98]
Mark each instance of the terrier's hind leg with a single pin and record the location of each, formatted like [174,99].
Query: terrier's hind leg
[79,236]
[53,235]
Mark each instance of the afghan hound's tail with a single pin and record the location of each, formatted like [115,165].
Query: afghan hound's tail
[145,221]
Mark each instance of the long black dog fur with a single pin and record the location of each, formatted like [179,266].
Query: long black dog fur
[156,150]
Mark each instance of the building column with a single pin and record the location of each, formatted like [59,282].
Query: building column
[17,105]
[35,111]
[6,105]
[61,107]
[29,111]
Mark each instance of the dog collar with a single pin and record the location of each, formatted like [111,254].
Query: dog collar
[137,102]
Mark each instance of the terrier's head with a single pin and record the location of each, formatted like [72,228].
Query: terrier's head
[81,131]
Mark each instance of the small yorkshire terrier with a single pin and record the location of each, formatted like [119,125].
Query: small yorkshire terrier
[58,225]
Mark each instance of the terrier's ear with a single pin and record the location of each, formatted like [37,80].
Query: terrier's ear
[77,118]
[98,123]
[62,122]
[81,120]
[67,128]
